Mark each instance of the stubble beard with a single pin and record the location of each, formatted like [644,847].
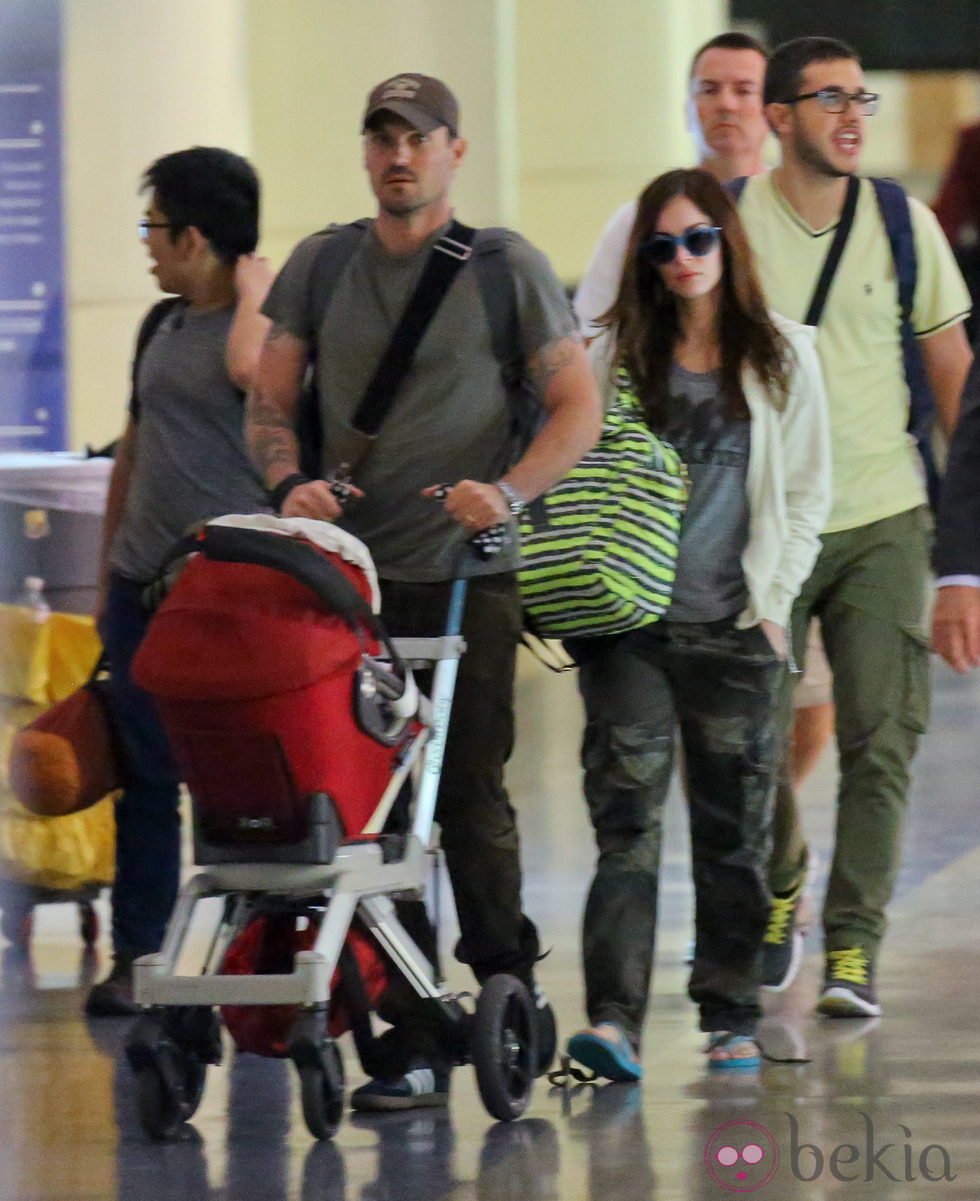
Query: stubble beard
[810,154]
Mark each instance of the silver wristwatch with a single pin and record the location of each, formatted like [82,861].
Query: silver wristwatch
[515,502]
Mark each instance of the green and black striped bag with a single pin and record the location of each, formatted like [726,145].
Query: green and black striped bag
[599,549]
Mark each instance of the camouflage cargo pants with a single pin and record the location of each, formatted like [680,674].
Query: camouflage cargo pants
[717,686]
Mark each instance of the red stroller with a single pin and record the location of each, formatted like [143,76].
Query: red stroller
[297,723]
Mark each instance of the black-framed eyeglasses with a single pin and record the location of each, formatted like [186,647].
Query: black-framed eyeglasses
[661,249]
[836,100]
[144,225]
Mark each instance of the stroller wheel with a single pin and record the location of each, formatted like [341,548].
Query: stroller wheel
[164,1103]
[322,1091]
[504,1049]
[169,1080]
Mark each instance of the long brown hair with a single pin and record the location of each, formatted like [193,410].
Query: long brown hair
[645,318]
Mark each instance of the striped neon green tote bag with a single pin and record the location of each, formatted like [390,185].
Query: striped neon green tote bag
[599,549]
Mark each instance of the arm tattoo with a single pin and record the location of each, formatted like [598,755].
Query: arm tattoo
[270,433]
[552,358]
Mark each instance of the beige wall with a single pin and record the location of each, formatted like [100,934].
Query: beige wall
[569,107]
[602,93]
[141,79]
[311,65]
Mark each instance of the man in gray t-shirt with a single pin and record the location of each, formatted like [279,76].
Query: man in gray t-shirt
[449,423]
[181,460]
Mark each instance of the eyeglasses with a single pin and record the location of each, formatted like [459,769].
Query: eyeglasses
[145,224]
[836,100]
[661,249]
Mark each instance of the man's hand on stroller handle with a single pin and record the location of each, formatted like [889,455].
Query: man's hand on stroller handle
[322,500]
[475,506]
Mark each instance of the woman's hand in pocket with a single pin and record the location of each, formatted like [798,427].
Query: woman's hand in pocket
[777,637]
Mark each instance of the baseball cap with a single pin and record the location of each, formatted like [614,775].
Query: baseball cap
[425,102]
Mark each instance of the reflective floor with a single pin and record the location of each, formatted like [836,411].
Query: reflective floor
[886,1108]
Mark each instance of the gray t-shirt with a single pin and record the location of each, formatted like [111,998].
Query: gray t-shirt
[710,584]
[190,460]
[450,420]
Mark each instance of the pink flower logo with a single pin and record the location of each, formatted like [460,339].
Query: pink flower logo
[741,1156]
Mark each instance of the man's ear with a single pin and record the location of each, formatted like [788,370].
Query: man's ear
[195,242]
[460,146]
[779,117]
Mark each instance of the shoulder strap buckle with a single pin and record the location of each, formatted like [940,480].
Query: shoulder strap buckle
[454,248]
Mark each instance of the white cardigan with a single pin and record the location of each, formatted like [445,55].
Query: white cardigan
[788,482]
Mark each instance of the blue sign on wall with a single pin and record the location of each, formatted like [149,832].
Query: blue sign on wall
[32,318]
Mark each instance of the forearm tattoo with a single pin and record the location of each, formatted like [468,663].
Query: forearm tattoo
[270,434]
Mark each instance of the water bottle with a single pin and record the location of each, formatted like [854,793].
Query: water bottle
[32,599]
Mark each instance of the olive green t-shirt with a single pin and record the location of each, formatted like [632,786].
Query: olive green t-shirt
[877,471]
[451,419]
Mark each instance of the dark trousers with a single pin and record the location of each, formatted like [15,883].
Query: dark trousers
[477,821]
[718,686]
[147,815]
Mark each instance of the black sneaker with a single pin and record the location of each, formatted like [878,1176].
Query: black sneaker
[848,987]
[113,996]
[422,1085]
[782,946]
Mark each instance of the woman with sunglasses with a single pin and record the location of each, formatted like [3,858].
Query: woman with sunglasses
[738,392]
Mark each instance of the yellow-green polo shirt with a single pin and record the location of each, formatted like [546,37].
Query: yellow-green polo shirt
[877,471]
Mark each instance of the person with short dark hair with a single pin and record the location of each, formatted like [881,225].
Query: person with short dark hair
[451,422]
[181,460]
[737,391]
[869,583]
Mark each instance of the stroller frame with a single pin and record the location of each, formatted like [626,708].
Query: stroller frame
[178,1034]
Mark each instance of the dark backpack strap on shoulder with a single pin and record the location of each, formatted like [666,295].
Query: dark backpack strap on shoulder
[337,249]
[893,204]
[896,216]
[735,187]
[498,290]
[499,294]
[148,327]
[338,246]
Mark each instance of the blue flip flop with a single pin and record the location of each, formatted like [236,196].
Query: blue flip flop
[724,1040]
[615,1060]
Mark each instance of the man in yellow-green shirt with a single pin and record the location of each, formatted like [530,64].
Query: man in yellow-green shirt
[870,582]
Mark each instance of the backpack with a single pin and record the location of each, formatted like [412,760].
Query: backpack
[893,206]
[498,292]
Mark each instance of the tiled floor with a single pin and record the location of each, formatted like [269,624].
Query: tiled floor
[882,1106]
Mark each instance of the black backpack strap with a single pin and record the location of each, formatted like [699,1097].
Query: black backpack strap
[337,249]
[499,295]
[149,326]
[833,258]
[445,260]
[498,290]
[896,216]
